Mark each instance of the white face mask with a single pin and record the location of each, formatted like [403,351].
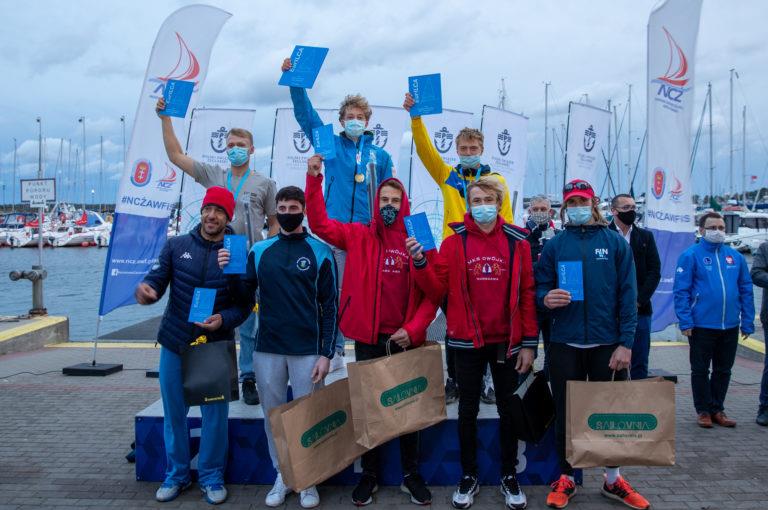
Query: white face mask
[714,236]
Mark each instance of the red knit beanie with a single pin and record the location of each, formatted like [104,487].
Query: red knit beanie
[221,197]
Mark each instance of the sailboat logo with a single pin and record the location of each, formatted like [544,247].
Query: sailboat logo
[676,192]
[187,67]
[678,64]
[166,183]
[504,142]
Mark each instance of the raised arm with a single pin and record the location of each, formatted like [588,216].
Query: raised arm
[427,152]
[327,229]
[172,145]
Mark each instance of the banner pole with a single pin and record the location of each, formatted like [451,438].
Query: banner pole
[184,174]
[565,157]
[272,152]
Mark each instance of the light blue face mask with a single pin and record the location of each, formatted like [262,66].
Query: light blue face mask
[354,128]
[238,156]
[579,215]
[469,161]
[483,214]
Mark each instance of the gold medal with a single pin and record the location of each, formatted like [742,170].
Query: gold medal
[359,178]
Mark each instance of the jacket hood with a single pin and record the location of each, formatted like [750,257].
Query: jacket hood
[405,209]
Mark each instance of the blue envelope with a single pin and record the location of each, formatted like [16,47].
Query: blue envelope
[238,253]
[202,304]
[570,277]
[418,227]
[177,94]
[427,94]
[324,142]
[306,62]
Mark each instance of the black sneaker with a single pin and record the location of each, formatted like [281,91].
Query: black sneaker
[250,395]
[451,391]
[465,493]
[363,493]
[415,486]
[514,497]
[488,395]
[762,417]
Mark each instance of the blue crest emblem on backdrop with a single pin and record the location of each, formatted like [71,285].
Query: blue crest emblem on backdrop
[504,142]
[219,140]
[301,142]
[443,140]
[380,136]
[589,138]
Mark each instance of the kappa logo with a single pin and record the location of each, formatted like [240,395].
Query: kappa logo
[601,253]
[186,255]
[672,83]
[680,269]
[142,173]
[380,136]
[443,140]
[219,140]
[303,263]
[590,137]
[166,183]
[504,142]
[187,68]
[301,142]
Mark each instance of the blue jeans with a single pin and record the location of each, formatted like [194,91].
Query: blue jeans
[764,384]
[641,349]
[212,458]
[247,332]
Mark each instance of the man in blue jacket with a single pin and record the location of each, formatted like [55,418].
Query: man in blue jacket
[295,275]
[186,262]
[346,176]
[713,299]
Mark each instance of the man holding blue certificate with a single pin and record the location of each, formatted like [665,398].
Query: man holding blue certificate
[254,196]
[593,320]
[184,259]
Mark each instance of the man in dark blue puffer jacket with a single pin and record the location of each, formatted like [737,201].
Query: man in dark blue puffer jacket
[185,263]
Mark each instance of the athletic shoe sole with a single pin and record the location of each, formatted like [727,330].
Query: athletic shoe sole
[182,489]
[471,500]
[620,500]
[414,500]
[369,500]
[210,501]
[280,503]
[566,503]
[513,507]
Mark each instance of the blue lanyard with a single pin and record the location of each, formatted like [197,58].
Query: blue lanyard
[240,185]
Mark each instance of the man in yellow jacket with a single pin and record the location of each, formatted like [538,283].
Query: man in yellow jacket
[453,182]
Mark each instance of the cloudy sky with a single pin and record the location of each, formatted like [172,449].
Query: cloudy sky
[63,60]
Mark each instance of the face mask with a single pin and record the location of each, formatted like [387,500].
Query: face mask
[714,236]
[354,128]
[290,221]
[579,215]
[469,161]
[540,218]
[238,156]
[483,214]
[627,217]
[388,214]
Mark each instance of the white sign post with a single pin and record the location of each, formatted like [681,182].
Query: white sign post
[38,192]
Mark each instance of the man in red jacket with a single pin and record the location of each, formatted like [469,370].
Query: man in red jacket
[485,269]
[379,304]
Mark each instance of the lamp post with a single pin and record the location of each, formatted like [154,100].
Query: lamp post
[82,120]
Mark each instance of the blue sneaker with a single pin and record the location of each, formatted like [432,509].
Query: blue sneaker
[215,494]
[170,491]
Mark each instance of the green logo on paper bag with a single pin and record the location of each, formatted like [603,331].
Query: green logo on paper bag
[323,428]
[403,391]
[622,421]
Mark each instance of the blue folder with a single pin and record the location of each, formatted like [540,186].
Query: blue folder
[306,62]
[177,94]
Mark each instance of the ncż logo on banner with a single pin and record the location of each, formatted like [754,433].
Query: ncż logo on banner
[219,140]
[504,142]
[672,84]
[166,183]
[443,140]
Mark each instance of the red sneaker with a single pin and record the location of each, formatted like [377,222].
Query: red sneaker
[622,491]
[562,492]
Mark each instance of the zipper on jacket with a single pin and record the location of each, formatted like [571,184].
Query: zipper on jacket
[358,156]
[722,283]
[202,281]
[376,291]
[468,303]
[583,281]
[517,302]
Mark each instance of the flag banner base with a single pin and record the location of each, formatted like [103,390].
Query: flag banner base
[91,370]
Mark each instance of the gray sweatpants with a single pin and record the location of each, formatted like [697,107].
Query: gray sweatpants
[273,371]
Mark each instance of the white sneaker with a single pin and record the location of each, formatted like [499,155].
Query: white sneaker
[309,498]
[337,362]
[276,496]
[514,497]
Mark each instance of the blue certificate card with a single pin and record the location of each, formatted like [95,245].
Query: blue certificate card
[417,226]
[571,278]
[323,141]
[238,254]
[177,94]
[202,304]
[426,93]
[306,62]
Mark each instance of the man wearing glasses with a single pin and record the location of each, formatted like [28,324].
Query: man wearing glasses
[713,299]
[648,274]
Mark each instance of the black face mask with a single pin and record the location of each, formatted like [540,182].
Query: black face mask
[627,217]
[388,214]
[290,221]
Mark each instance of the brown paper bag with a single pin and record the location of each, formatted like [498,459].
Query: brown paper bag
[623,423]
[397,394]
[313,434]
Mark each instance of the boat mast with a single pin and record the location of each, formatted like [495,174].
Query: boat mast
[730,140]
[711,161]
[546,125]
[744,154]
[629,137]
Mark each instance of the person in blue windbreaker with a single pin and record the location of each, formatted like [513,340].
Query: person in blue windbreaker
[347,181]
[585,277]
[713,299]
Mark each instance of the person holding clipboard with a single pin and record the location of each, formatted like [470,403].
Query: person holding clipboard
[593,319]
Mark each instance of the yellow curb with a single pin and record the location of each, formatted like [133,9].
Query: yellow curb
[751,343]
[30,325]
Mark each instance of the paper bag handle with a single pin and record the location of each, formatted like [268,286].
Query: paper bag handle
[629,375]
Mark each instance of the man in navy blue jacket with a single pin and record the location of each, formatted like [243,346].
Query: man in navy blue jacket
[296,277]
[186,262]
[713,298]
